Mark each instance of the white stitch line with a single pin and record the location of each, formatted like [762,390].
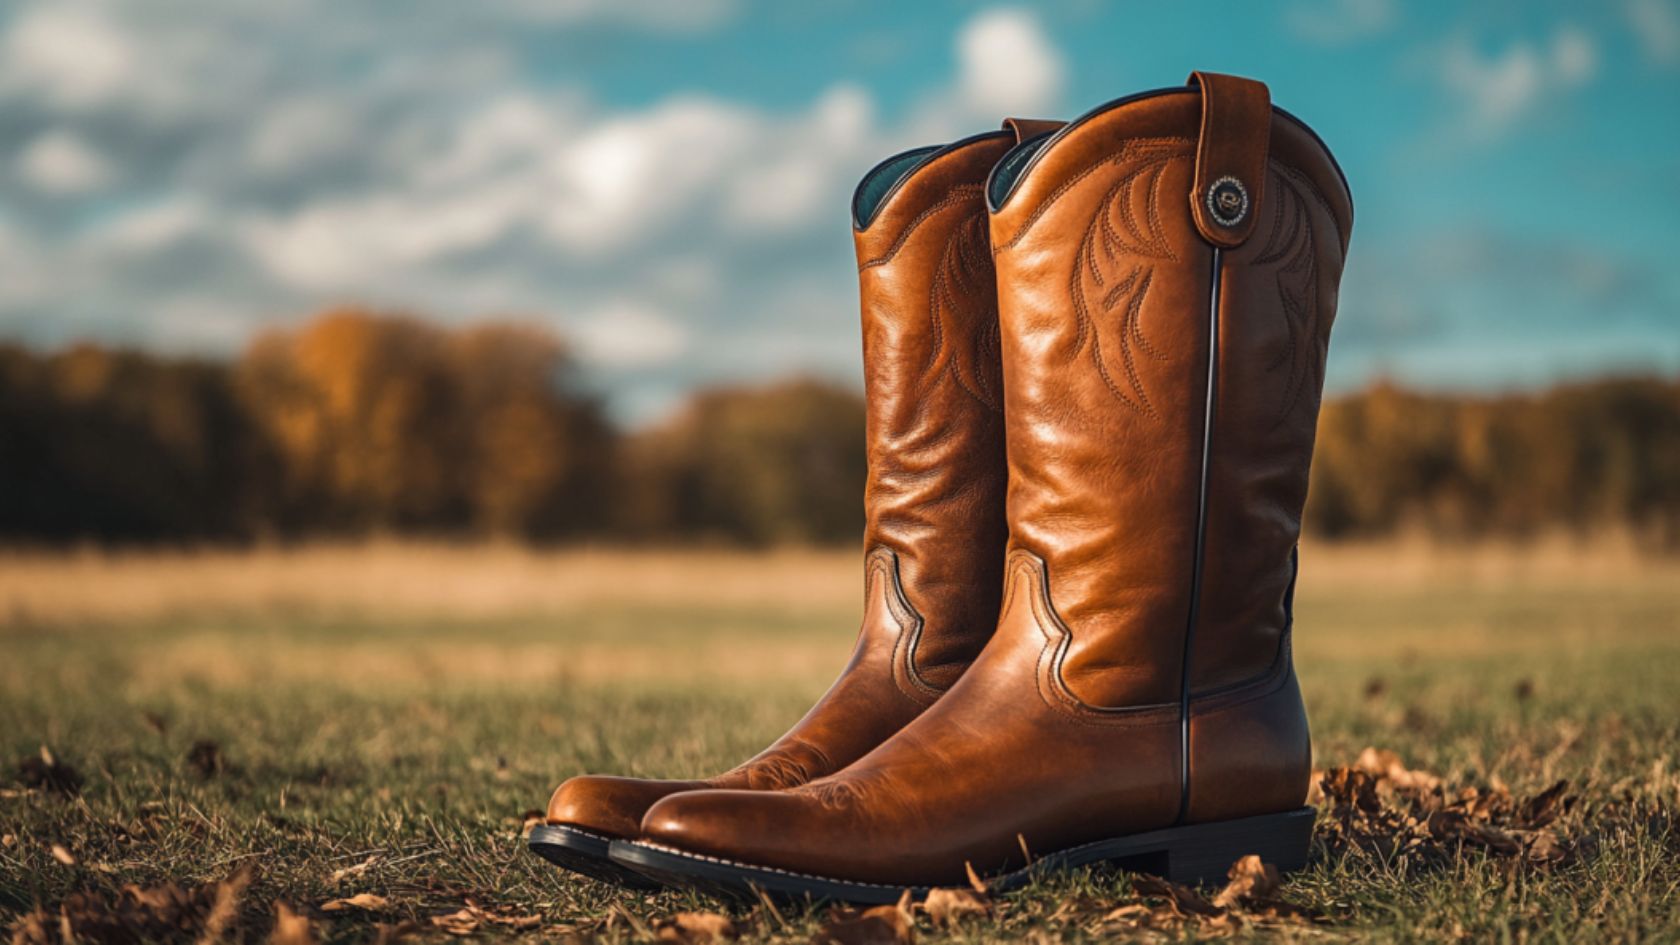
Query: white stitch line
[587,833]
[763,869]
[996,877]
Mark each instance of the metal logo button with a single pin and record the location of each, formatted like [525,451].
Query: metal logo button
[1227,201]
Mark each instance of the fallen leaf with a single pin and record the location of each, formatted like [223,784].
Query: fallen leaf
[290,928]
[946,907]
[463,922]
[165,913]
[224,909]
[205,757]
[367,902]
[349,872]
[1249,878]
[467,920]
[695,928]
[62,855]
[46,773]
[879,925]
[1132,914]
[1385,764]
[1185,900]
[1547,806]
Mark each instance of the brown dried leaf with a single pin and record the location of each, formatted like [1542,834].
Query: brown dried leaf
[1133,915]
[290,928]
[696,928]
[1384,764]
[1544,808]
[63,855]
[460,922]
[880,925]
[1455,825]
[224,909]
[1249,878]
[1184,900]
[1548,849]
[367,902]
[349,872]
[44,772]
[138,914]
[946,907]
[205,757]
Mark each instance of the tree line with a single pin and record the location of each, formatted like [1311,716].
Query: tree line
[360,423]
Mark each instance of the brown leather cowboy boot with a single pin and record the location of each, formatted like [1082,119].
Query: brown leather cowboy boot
[1167,269]
[934,536]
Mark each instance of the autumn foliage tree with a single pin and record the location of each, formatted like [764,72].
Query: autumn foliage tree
[357,423]
[397,425]
[753,465]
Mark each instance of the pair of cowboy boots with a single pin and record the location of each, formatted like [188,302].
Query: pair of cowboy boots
[1094,356]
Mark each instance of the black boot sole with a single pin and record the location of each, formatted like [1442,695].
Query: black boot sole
[581,851]
[1193,854]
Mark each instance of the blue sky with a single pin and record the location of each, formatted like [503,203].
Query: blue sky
[667,183]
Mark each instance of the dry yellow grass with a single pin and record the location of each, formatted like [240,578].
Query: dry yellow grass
[391,578]
[487,581]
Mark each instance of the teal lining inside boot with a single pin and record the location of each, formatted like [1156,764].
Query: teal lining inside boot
[878,183]
[1013,163]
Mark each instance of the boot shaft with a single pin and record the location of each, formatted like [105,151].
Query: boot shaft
[933,383]
[1169,266]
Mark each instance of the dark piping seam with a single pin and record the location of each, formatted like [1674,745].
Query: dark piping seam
[1201,542]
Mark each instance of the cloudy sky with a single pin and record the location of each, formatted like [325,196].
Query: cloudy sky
[667,183]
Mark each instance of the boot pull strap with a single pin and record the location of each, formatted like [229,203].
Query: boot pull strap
[1230,156]
[1028,128]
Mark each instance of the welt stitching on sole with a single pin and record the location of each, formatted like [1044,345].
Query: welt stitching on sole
[568,828]
[721,861]
[992,878]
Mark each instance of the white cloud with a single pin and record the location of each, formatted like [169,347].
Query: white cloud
[1501,90]
[71,56]
[1008,66]
[270,165]
[1656,26]
[664,15]
[1340,22]
[624,334]
[59,163]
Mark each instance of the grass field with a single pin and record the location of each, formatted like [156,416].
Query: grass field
[380,720]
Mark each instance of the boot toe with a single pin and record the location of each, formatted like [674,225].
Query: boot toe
[729,824]
[610,805]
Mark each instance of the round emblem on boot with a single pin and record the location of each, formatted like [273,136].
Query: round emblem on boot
[1227,201]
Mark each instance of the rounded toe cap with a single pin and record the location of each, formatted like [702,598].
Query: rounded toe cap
[725,823]
[609,805]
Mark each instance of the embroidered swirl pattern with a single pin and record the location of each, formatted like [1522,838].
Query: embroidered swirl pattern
[1290,248]
[1106,286]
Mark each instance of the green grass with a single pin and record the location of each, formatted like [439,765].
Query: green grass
[424,741]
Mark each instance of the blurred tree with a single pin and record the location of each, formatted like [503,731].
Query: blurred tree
[390,423]
[358,422]
[121,445]
[766,465]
